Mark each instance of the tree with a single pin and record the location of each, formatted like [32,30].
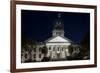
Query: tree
[45,51]
[70,48]
[74,51]
[86,46]
[28,45]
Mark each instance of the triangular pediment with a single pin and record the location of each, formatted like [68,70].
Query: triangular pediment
[58,39]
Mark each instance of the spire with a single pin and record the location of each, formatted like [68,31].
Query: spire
[58,26]
[59,15]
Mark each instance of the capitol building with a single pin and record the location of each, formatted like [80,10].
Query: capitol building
[57,46]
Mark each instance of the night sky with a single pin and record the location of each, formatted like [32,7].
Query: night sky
[38,25]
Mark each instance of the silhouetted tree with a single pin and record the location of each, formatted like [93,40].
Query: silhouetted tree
[45,51]
[74,51]
[70,47]
[86,46]
[28,44]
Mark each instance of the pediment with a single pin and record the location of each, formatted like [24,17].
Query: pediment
[58,39]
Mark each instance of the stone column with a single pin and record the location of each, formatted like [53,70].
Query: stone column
[67,51]
[51,52]
[56,51]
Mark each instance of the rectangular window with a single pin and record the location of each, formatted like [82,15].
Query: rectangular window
[62,49]
[54,49]
[34,49]
[49,48]
[34,55]
[40,49]
[58,49]
[39,55]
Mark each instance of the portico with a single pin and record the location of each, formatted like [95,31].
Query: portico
[58,48]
